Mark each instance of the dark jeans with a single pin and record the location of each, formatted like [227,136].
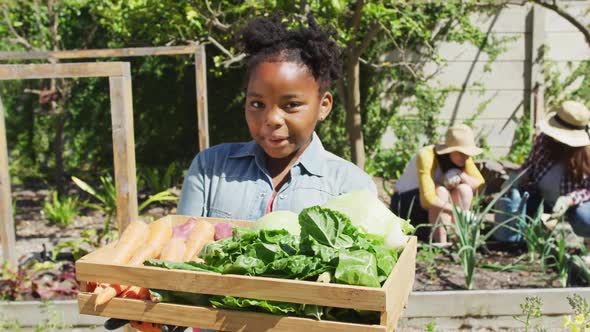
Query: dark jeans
[578,216]
[406,205]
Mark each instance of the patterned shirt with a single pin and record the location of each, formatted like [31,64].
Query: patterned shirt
[539,163]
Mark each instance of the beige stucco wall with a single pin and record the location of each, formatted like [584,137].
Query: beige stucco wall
[509,81]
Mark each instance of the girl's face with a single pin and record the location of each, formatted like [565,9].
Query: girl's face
[458,158]
[283,106]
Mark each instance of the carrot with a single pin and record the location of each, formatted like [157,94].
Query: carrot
[160,233]
[202,234]
[174,250]
[91,286]
[136,292]
[132,238]
[105,292]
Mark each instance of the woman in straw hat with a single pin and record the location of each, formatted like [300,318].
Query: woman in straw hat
[437,176]
[557,171]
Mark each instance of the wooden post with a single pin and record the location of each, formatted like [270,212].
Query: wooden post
[123,147]
[201,83]
[537,79]
[7,237]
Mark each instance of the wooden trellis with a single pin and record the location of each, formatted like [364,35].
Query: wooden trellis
[121,111]
[119,75]
[197,50]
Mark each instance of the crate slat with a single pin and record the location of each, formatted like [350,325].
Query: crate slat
[334,295]
[398,285]
[209,318]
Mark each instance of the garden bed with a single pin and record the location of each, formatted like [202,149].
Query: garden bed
[503,272]
[506,268]
[498,266]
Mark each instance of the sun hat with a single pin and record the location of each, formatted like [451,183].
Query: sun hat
[458,138]
[570,124]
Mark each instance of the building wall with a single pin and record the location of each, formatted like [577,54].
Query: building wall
[509,83]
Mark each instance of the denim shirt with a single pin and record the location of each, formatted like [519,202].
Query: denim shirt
[231,181]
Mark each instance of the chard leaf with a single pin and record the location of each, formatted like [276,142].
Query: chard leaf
[273,307]
[325,226]
[245,265]
[357,268]
[190,266]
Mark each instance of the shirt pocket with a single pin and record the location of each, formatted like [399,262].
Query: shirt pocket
[233,198]
[219,213]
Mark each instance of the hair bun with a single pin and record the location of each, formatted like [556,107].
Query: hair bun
[264,38]
[262,33]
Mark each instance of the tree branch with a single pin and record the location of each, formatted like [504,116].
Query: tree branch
[90,37]
[219,46]
[213,20]
[341,88]
[18,39]
[38,16]
[54,25]
[358,14]
[567,16]
[227,63]
[355,24]
[373,31]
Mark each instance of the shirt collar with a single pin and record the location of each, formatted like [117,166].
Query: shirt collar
[311,159]
[249,149]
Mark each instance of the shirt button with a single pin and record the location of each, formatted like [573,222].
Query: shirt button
[262,195]
[282,196]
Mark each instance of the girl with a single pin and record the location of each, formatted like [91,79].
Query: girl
[434,177]
[557,171]
[285,166]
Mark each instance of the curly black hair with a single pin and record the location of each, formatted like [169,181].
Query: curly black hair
[270,39]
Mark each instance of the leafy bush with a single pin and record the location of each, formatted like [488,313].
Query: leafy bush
[159,180]
[61,210]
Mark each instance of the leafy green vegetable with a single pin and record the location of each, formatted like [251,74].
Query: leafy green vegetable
[191,266]
[328,243]
[166,296]
[357,268]
[273,307]
[372,217]
[325,226]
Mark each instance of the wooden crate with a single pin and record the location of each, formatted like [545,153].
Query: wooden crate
[390,299]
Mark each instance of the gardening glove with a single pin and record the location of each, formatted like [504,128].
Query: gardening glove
[452,178]
[562,204]
[114,323]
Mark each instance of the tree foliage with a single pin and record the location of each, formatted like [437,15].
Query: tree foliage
[390,55]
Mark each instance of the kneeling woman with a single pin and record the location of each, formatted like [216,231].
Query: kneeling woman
[438,176]
[557,172]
